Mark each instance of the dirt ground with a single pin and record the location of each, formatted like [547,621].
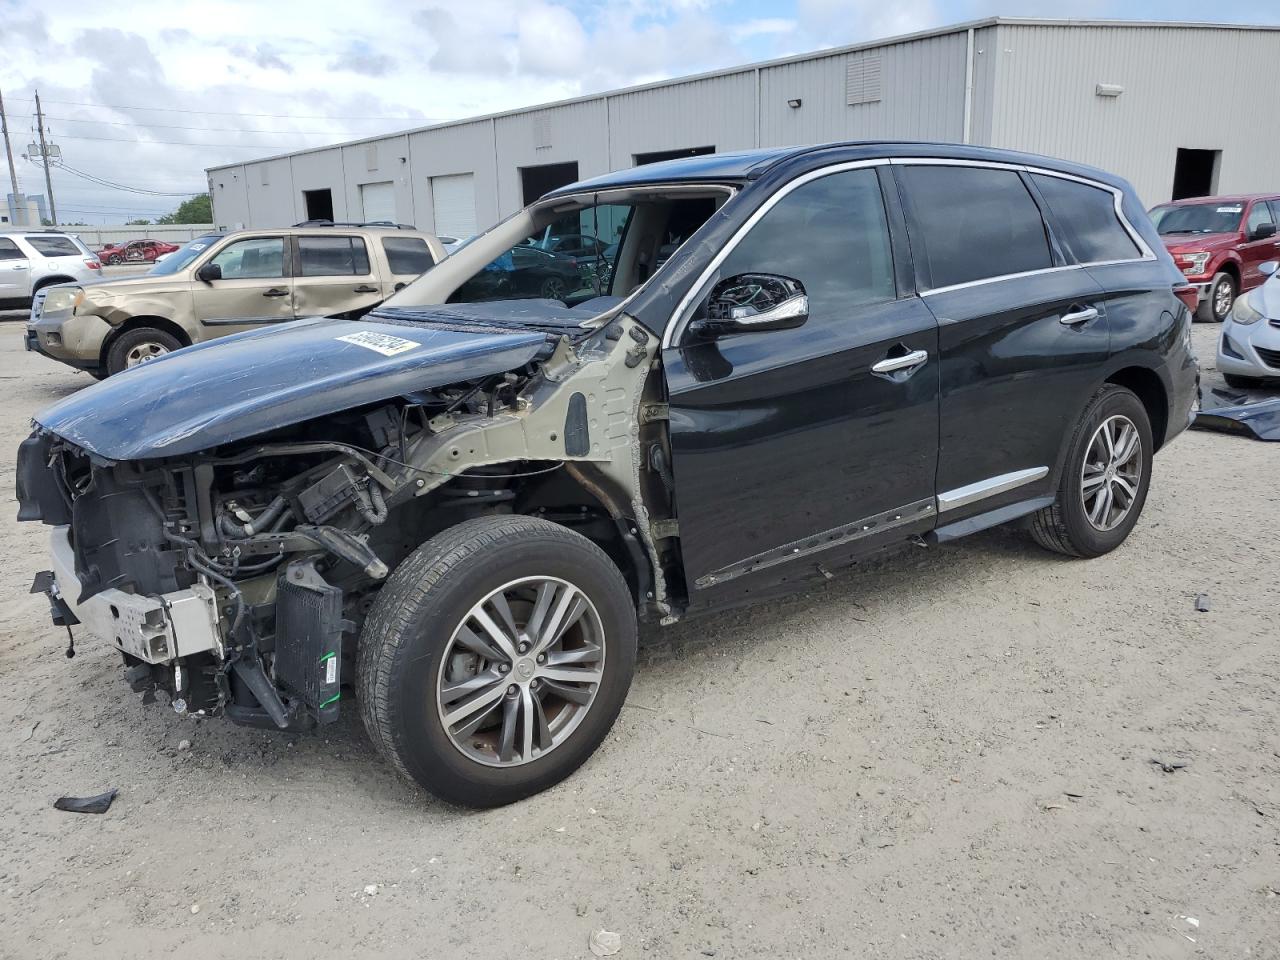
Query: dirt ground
[947,753]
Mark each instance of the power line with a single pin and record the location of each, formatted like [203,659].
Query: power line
[172,126]
[92,178]
[225,113]
[171,143]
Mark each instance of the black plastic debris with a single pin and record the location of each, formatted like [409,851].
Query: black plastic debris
[99,804]
[1202,602]
[1258,419]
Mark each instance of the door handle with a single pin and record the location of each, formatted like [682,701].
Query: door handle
[276,292]
[365,288]
[1079,316]
[19,266]
[906,362]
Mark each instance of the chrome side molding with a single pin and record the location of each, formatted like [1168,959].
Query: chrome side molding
[963,496]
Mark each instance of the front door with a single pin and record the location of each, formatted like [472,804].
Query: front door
[256,287]
[1022,333]
[1261,243]
[334,277]
[795,448]
[15,271]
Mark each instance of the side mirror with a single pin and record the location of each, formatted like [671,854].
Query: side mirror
[752,302]
[1262,231]
[1269,268]
[209,272]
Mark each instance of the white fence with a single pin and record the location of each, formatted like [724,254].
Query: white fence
[95,236]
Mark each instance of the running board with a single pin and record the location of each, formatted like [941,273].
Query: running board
[983,521]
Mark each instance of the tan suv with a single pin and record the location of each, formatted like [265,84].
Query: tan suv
[226,283]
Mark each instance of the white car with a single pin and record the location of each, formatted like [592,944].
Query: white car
[31,260]
[1249,348]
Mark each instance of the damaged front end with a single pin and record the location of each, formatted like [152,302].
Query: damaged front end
[225,519]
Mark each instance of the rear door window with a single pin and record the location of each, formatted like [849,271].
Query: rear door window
[53,246]
[9,250]
[1087,218]
[407,255]
[974,223]
[333,257]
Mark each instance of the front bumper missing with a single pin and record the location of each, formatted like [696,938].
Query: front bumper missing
[154,629]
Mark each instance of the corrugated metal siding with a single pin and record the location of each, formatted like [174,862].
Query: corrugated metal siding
[378,162]
[577,132]
[465,148]
[1046,102]
[921,96]
[719,111]
[316,171]
[984,85]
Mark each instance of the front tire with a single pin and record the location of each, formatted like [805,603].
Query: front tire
[1104,481]
[496,658]
[138,346]
[1222,295]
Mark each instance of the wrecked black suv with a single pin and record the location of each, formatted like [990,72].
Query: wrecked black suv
[461,504]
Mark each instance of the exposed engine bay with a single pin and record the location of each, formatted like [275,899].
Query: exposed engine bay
[234,580]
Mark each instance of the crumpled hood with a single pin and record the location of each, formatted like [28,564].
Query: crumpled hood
[249,383]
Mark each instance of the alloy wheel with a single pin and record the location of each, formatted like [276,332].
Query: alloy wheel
[144,353]
[521,671]
[1112,473]
[553,289]
[1223,297]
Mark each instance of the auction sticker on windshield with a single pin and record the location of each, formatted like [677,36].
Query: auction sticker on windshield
[382,343]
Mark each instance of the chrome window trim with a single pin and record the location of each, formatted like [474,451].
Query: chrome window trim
[1117,201]
[685,307]
[973,492]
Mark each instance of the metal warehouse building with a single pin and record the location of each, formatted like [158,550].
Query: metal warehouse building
[1139,99]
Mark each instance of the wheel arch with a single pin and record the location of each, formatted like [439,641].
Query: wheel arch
[1231,267]
[1146,384]
[135,323]
[50,281]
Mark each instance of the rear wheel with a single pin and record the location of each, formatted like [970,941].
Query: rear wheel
[552,289]
[496,658]
[114,259]
[138,346]
[1104,480]
[1222,295]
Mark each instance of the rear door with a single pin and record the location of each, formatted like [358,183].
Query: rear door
[334,276]
[1254,253]
[256,287]
[15,271]
[1022,334]
[798,447]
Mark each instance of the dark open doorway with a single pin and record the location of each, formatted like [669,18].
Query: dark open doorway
[657,155]
[535,181]
[319,204]
[1195,173]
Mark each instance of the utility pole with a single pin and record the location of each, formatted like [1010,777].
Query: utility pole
[19,211]
[44,156]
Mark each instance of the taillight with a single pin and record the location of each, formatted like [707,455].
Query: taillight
[1188,294]
[93,264]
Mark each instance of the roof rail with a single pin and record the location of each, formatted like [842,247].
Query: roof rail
[352,223]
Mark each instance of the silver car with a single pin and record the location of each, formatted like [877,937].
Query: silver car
[31,260]
[1249,348]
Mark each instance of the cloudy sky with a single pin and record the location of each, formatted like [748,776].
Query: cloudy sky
[146,95]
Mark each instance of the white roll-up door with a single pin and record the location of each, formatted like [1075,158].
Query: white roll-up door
[453,203]
[378,201]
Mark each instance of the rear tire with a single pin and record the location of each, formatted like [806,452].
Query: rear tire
[137,346]
[1079,523]
[1222,295]
[410,655]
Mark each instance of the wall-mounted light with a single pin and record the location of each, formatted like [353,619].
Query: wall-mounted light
[1108,90]
[794,103]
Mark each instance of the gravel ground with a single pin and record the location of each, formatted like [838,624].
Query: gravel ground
[945,754]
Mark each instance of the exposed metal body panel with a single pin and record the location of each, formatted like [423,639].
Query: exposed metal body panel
[1028,85]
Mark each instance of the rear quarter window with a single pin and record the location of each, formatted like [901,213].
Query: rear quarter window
[1087,217]
[53,246]
[976,223]
[407,255]
[9,250]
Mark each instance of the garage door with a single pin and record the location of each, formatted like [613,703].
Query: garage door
[378,201]
[453,202]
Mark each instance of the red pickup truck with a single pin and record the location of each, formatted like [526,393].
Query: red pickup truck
[1219,243]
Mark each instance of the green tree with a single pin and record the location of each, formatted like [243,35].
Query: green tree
[199,209]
